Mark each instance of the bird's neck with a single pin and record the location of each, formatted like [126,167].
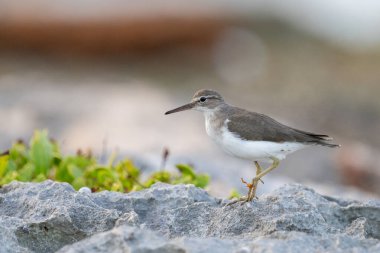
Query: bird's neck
[214,121]
[215,113]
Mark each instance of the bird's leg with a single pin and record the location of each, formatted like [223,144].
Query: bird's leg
[258,177]
[251,187]
[274,165]
[255,181]
[258,170]
[244,198]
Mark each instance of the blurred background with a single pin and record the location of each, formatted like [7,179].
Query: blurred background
[100,75]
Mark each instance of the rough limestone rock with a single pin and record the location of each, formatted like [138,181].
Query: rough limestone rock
[50,216]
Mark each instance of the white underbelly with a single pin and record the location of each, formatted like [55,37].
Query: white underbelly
[256,150]
[250,150]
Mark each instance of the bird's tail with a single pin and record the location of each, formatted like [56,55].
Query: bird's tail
[323,140]
[320,139]
[330,145]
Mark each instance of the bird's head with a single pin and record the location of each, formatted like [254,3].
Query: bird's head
[203,100]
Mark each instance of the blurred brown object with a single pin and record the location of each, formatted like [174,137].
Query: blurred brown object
[5,153]
[359,166]
[165,155]
[108,37]
[95,27]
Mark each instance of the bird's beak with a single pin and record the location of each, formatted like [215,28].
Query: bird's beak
[182,108]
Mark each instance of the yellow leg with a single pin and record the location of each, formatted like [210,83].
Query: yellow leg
[251,186]
[252,192]
[260,174]
[274,165]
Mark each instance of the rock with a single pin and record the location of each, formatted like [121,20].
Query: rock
[130,218]
[44,217]
[124,239]
[130,239]
[50,216]
[85,190]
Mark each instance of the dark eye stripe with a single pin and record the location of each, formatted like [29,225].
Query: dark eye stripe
[208,97]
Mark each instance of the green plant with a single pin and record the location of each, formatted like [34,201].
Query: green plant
[234,194]
[42,159]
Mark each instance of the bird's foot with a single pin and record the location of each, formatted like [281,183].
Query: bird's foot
[249,185]
[251,193]
[252,188]
[240,200]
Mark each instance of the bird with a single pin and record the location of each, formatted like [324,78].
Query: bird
[250,135]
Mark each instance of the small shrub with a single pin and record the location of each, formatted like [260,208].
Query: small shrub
[42,159]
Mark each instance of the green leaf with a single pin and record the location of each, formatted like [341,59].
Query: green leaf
[78,183]
[9,177]
[159,176]
[234,194]
[74,171]
[40,178]
[186,170]
[18,155]
[201,180]
[26,173]
[72,166]
[41,152]
[4,162]
[101,178]
[188,176]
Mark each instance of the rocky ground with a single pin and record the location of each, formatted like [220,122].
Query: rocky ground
[50,217]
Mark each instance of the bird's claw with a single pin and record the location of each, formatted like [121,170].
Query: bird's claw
[249,185]
[242,201]
[251,192]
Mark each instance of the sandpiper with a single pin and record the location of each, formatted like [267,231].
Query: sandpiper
[250,135]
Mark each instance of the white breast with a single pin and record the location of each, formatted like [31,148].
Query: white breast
[250,150]
[210,129]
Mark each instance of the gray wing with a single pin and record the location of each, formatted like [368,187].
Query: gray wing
[259,127]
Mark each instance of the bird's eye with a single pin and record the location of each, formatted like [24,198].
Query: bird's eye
[202,99]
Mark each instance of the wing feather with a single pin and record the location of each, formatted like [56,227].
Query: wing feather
[259,127]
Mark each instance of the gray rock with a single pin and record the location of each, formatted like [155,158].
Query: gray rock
[124,239]
[48,216]
[85,190]
[8,239]
[130,239]
[130,218]
[44,217]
